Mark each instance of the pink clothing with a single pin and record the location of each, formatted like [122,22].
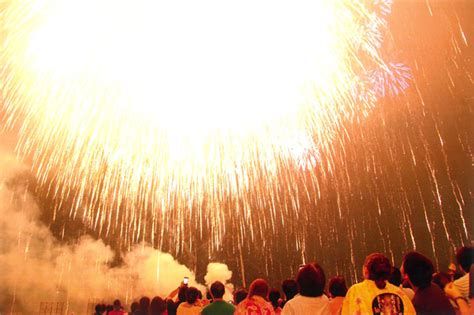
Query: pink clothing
[335,305]
[254,305]
[114,312]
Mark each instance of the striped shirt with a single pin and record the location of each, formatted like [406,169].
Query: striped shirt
[462,284]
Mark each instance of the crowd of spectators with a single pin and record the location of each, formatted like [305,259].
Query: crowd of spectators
[415,288]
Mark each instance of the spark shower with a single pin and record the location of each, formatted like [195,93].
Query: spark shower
[221,125]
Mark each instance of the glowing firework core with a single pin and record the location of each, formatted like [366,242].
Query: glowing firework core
[187,67]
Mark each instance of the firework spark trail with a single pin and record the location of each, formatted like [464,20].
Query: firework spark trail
[113,122]
[391,161]
[345,171]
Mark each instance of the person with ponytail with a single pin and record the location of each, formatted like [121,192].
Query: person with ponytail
[375,295]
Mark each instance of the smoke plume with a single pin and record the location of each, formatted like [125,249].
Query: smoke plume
[37,267]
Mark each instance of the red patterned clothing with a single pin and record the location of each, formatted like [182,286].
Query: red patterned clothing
[254,305]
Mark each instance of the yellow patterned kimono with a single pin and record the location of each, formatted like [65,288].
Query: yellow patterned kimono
[366,298]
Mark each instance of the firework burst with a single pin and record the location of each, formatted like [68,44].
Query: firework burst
[165,113]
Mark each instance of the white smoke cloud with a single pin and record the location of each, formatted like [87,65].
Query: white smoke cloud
[36,267]
[220,272]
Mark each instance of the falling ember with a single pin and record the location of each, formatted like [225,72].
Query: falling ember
[186,106]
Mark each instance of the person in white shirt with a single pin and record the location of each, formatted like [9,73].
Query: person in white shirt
[465,258]
[311,299]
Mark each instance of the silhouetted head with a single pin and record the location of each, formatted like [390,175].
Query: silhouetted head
[337,286]
[171,306]
[217,290]
[192,295]
[157,306]
[289,288]
[378,269]
[209,295]
[395,277]
[98,309]
[311,280]
[259,287]
[144,303]
[441,279]
[419,269]
[182,294]
[134,306]
[465,257]
[117,305]
[274,297]
[239,296]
